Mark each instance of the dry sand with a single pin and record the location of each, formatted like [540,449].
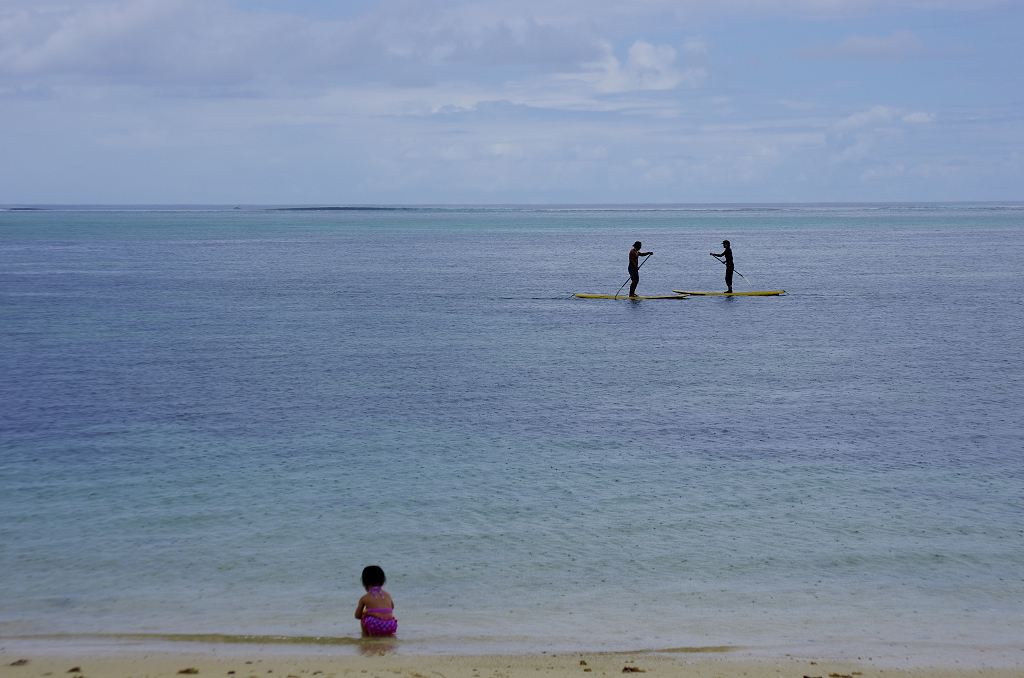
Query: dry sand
[376,661]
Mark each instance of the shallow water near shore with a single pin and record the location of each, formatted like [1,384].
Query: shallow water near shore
[213,419]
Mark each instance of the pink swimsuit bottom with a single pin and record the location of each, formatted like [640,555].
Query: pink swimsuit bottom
[379,627]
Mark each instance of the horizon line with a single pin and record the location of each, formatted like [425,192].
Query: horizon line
[31,207]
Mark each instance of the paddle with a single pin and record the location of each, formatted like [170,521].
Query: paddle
[616,295]
[733,270]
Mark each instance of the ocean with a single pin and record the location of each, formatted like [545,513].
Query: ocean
[212,419]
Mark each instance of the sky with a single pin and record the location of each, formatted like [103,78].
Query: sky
[510,101]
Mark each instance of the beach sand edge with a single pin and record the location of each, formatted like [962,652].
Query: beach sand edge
[381,663]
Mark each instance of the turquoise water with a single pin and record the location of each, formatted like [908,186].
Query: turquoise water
[211,420]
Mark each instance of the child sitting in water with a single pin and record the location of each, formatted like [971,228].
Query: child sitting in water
[375,608]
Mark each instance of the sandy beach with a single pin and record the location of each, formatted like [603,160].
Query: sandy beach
[381,661]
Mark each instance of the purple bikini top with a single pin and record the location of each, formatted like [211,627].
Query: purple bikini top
[377,595]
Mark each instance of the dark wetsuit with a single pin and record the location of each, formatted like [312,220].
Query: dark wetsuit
[728,265]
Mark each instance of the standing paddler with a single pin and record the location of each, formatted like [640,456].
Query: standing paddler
[634,265]
[729,268]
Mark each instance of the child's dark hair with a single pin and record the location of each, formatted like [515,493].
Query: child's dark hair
[373,576]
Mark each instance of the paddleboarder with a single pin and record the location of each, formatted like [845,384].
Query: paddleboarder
[729,268]
[634,265]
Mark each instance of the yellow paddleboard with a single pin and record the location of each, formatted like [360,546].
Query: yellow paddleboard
[773,293]
[626,296]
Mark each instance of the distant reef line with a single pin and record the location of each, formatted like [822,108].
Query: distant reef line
[345,208]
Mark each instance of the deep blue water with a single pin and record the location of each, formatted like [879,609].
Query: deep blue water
[211,420]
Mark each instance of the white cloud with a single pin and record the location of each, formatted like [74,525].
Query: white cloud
[871,117]
[918,118]
[523,42]
[855,152]
[200,42]
[215,42]
[508,151]
[647,67]
[218,43]
[882,116]
[864,133]
[148,42]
